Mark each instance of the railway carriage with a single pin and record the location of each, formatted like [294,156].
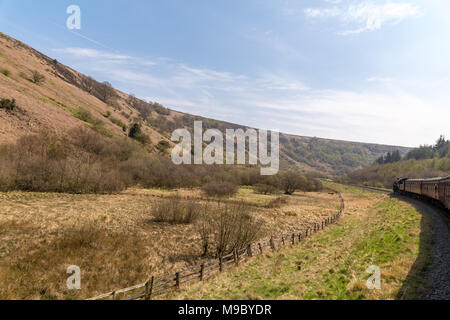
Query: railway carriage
[436,190]
[444,192]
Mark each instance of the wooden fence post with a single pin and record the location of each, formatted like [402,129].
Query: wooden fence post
[236,258]
[149,288]
[249,251]
[114,295]
[202,271]
[177,280]
[293,239]
[282,240]
[299,236]
[220,264]
[260,248]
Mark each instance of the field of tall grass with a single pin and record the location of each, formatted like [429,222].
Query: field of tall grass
[122,239]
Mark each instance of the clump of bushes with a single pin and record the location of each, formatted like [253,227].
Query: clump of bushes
[177,211]
[137,134]
[226,228]
[8,104]
[265,188]
[6,72]
[96,124]
[277,202]
[48,163]
[119,123]
[89,160]
[162,146]
[219,189]
[37,78]
[85,115]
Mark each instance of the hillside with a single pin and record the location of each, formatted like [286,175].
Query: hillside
[427,161]
[383,175]
[50,95]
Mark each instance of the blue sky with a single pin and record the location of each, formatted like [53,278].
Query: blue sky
[361,70]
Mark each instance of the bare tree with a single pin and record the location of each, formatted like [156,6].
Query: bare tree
[105,91]
[292,181]
[88,84]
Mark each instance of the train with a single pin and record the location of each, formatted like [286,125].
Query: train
[435,190]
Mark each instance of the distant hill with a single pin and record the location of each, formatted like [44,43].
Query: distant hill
[383,175]
[50,95]
[427,161]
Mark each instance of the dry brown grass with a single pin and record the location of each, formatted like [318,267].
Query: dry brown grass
[112,238]
[50,103]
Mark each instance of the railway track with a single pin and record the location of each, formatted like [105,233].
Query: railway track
[368,188]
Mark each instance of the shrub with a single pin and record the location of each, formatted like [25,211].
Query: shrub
[219,189]
[119,123]
[137,134]
[88,84]
[176,211]
[265,188]
[86,116]
[229,227]
[277,202]
[314,185]
[163,145]
[8,104]
[37,77]
[292,181]
[205,230]
[159,108]
[6,72]
[104,91]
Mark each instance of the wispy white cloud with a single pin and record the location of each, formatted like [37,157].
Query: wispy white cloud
[379,79]
[366,16]
[269,100]
[91,53]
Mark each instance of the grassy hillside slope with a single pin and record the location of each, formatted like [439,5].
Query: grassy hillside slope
[64,99]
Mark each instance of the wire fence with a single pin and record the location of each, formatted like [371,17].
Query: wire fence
[162,285]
